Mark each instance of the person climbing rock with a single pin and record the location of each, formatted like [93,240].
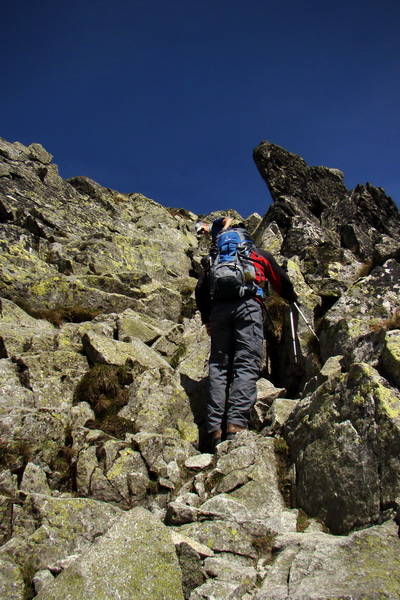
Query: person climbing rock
[230,304]
[213,229]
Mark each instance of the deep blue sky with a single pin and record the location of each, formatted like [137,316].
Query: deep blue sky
[170,97]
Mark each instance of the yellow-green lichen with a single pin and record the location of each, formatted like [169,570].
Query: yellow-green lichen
[333,270]
[388,401]
[118,467]
[393,344]
[187,430]
[358,400]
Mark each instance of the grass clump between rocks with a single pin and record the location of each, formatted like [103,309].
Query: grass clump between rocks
[104,387]
[389,324]
[282,461]
[14,455]
[60,314]
[393,322]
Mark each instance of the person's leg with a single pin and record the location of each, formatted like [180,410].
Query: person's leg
[248,331]
[220,365]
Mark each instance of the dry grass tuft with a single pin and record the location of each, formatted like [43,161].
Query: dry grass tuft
[104,388]
[389,324]
[365,269]
[60,314]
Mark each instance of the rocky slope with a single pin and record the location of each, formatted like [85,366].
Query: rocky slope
[106,487]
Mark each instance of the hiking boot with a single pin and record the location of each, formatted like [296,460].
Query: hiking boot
[216,439]
[232,430]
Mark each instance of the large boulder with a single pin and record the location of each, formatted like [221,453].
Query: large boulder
[360,566]
[362,218]
[51,532]
[344,440]
[356,325]
[77,244]
[312,204]
[288,174]
[135,559]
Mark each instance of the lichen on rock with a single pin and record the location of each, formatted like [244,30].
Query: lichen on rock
[106,485]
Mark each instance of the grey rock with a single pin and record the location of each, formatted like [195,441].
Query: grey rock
[51,376]
[131,324]
[163,454]
[226,570]
[49,529]
[28,433]
[266,394]
[331,369]
[120,477]
[199,462]
[101,350]
[361,217]
[191,567]
[252,222]
[246,469]
[391,356]
[225,536]
[20,333]
[355,325]
[14,394]
[316,186]
[6,518]
[138,546]
[158,403]
[350,421]
[219,590]
[12,585]
[8,483]
[277,415]
[329,270]
[41,579]
[37,152]
[384,249]
[179,513]
[200,549]
[306,567]
[34,480]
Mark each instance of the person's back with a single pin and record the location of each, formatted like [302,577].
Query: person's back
[235,324]
[231,271]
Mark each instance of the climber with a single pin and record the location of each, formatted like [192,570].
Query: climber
[204,228]
[236,329]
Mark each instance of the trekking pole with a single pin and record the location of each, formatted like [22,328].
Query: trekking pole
[305,320]
[293,334]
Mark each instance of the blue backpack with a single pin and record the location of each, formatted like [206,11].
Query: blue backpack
[232,274]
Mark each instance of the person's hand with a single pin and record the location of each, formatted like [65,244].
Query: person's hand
[208,328]
[226,223]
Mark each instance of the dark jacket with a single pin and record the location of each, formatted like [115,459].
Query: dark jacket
[266,268]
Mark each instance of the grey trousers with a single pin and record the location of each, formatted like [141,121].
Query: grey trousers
[235,359]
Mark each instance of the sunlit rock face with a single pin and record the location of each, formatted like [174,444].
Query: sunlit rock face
[106,485]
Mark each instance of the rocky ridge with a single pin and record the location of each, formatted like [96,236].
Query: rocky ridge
[106,486]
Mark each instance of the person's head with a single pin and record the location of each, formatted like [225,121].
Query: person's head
[202,228]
